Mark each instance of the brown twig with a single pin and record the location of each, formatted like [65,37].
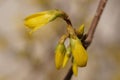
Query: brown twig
[89,36]
[91,31]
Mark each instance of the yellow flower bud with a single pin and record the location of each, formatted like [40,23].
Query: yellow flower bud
[59,55]
[78,52]
[67,56]
[80,30]
[37,20]
[75,68]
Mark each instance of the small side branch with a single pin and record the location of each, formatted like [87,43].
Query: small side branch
[89,36]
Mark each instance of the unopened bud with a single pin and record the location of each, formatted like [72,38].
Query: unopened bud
[67,56]
[80,31]
[78,52]
[59,55]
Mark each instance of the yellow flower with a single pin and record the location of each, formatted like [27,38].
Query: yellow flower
[79,53]
[75,68]
[37,20]
[67,56]
[59,55]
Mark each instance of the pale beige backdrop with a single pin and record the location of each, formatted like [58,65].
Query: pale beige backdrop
[32,58]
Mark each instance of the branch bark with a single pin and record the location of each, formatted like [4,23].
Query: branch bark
[89,36]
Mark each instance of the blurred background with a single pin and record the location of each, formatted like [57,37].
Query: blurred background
[24,57]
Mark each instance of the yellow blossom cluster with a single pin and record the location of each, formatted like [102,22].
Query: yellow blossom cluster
[75,50]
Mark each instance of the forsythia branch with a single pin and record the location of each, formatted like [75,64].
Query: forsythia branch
[89,36]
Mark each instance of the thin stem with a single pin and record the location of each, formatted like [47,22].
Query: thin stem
[89,36]
[69,74]
[91,31]
[70,28]
[64,37]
